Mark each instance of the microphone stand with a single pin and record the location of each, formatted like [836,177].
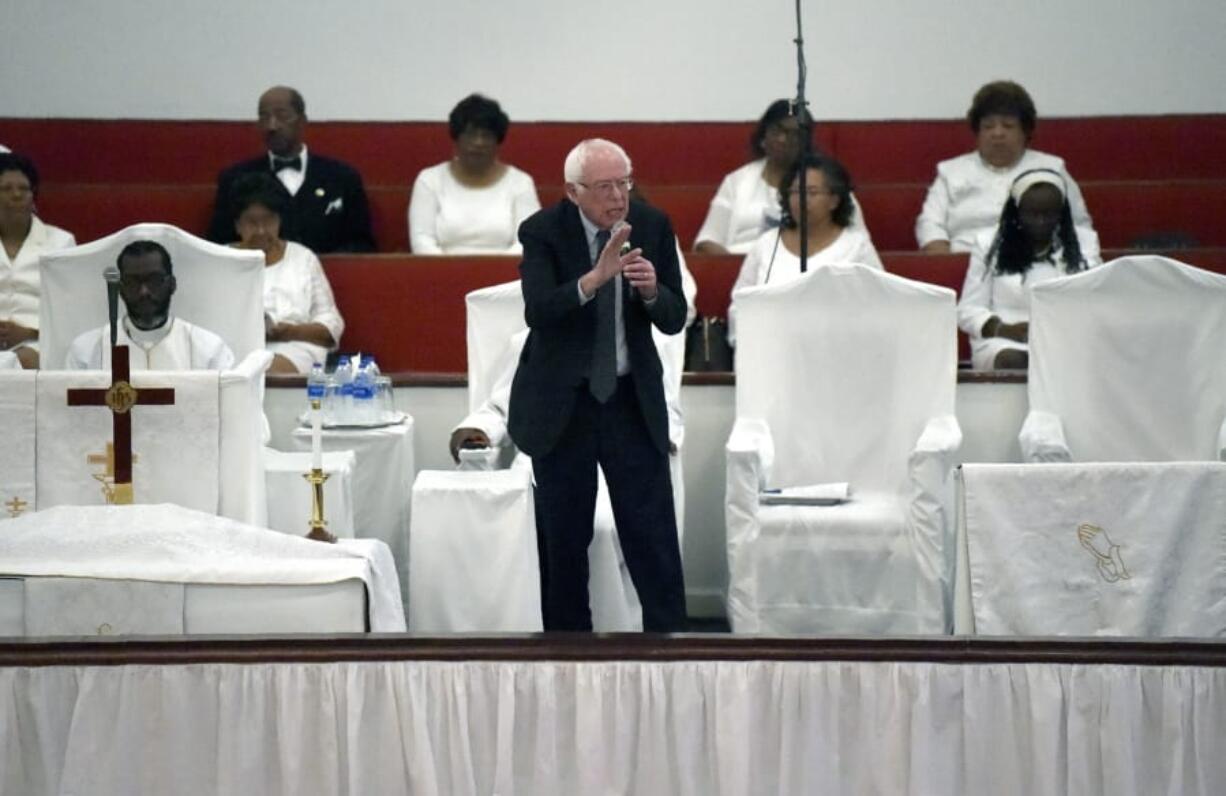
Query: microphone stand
[111,275]
[800,108]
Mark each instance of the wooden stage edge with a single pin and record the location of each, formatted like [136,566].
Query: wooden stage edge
[599,648]
[714,378]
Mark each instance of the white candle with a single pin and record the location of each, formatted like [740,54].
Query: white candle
[317,433]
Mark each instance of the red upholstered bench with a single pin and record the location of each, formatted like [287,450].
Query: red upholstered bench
[409,311]
[665,153]
[94,210]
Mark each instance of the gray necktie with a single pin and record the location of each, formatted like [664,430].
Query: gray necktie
[602,380]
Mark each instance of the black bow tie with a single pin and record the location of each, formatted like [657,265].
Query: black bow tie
[294,163]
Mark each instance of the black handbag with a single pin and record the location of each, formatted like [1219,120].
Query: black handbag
[706,346]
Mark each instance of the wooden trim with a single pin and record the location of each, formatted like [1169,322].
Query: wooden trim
[705,379]
[604,648]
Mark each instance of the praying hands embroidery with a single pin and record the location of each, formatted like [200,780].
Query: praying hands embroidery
[1106,553]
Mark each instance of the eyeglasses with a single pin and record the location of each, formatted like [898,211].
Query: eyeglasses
[608,187]
[152,282]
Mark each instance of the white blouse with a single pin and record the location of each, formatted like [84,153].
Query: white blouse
[985,293]
[448,217]
[19,280]
[745,206]
[770,262]
[296,290]
[967,196]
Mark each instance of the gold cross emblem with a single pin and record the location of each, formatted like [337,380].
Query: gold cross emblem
[16,506]
[115,494]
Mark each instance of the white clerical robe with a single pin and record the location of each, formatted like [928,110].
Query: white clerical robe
[176,345]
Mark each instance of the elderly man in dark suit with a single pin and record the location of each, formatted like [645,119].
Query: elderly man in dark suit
[328,211]
[598,271]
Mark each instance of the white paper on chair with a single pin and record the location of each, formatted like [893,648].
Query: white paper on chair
[830,494]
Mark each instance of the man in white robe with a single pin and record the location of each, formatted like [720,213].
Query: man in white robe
[156,339]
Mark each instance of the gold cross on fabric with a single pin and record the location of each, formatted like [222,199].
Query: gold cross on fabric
[120,397]
[16,506]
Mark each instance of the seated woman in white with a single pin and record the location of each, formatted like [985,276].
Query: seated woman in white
[25,237]
[301,321]
[747,202]
[473,203]
[775,256]
[1035,240]
[155,338]
[966,198]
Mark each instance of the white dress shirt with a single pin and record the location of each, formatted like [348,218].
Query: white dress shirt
[967,196]
[292,179]
[449,217]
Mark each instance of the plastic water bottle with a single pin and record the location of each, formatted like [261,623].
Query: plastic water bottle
[368,362]
[317,384]
[344,390]
[364,394]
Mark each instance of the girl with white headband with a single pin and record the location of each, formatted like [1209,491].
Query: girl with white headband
[1034,241]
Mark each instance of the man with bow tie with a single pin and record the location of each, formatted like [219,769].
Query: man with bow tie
[328,211]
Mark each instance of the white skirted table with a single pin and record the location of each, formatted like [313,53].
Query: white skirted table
[473,560]
[382,484]
[167,570]
[1095,549]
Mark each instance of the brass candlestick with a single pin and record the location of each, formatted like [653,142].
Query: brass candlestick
[319,530]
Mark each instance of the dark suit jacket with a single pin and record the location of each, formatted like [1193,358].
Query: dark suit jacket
[315,219]
[558,353]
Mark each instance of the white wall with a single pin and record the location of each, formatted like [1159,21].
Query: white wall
[577,59]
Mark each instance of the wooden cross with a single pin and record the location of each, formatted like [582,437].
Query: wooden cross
[16,506]
[120,397]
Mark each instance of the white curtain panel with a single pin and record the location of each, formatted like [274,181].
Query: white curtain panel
[704,728]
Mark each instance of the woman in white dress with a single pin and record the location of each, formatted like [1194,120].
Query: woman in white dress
[775,256]
[301,321]
[747,202]
[25,237]
[473,203]
[1035,241]
[965,199]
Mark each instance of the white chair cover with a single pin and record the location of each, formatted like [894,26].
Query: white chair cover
[472,553]
[846,374]
[1127,364]
[219,288]
[289,494]
[495,316]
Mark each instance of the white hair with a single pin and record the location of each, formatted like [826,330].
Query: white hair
[576,161]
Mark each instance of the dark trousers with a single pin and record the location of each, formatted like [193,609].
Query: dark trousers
[614,435]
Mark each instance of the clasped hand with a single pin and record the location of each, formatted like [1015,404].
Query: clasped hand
[638,270]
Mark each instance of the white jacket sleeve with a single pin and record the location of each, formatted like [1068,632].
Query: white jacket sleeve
[975,303]
[423,216]
[717,226]
[933,221]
